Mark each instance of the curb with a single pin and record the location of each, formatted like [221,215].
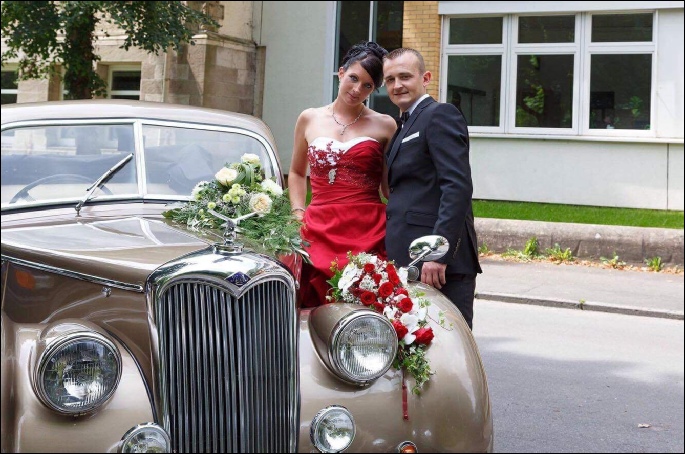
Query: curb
[585,305]
[586,241]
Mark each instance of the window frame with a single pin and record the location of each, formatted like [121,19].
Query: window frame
[618,48]
[110,79]
[477,49]
[581,48]
[333,83]
[9,68]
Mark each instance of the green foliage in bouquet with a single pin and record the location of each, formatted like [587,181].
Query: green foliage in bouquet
[239,189]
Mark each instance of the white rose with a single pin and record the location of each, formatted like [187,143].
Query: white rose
[390,312]
[403,275]
[349,275]
[226,176]
[250,158]
[408,339]
[260,203]
[195,193]
[272,188]
[410,321]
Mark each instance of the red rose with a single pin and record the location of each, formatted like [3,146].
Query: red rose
[424,336]
[394,278]
[368,298]
[400,329]
[378,306]
[369,268]
[390,268]
[377,278]
[385,290]
[402,291]
[405,305]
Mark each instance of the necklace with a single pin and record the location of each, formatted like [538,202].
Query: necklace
[345,126]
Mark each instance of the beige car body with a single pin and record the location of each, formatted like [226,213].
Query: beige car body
[59,273]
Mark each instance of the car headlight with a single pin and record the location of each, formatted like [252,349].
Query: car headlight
[78,372]
[363,346]
[148,437]
[332,429]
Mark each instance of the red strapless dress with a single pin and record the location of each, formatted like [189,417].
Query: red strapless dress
[346,213]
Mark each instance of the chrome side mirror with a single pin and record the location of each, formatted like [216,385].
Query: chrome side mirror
[428,248]
[425,248]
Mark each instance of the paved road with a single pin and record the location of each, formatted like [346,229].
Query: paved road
[576,381]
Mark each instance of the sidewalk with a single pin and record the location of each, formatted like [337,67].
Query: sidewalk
[582,287]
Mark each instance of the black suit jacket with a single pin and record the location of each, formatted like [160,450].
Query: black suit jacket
[430,186]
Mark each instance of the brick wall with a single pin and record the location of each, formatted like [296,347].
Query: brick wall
[421,31]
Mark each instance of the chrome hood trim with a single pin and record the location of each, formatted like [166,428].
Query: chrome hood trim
[238,272]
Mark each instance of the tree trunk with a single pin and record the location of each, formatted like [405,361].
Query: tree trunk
[80,78]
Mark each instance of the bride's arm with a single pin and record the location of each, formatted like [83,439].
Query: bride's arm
[297,176]
[389,126]
[384,180]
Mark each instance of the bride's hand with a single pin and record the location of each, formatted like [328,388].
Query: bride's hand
[298,213]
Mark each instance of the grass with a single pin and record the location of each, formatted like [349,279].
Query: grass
[550,212]
[578,214]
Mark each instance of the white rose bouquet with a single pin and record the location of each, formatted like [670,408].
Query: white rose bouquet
[239,189]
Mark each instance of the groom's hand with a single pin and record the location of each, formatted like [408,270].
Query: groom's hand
[433,274]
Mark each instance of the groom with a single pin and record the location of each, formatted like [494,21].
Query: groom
[430,181]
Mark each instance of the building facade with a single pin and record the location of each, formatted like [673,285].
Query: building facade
[567,102]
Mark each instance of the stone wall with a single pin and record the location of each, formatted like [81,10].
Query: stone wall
[218,72]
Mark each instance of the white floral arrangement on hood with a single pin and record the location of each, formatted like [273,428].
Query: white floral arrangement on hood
[239,189]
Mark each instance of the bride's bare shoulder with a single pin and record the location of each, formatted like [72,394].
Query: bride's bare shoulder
[386,122]
[314,112]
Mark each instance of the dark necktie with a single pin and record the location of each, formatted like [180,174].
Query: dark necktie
[404,117]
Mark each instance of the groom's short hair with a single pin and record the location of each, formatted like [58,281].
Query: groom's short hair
[406,50]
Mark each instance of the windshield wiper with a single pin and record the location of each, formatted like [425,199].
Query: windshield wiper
[102,180]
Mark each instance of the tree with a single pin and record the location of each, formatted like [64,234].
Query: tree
[51,33]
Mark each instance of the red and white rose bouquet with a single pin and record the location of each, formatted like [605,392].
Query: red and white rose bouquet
[379,285]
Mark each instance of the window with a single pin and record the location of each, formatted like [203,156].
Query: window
[9,86]
[124,83]
[474,73]
[552,74]
[368,21]
[621,51]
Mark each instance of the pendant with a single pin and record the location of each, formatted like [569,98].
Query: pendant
[343,131]
[331,176]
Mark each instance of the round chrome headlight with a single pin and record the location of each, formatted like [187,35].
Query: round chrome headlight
[148,437]
[332,429]
[78,372]
[363,346]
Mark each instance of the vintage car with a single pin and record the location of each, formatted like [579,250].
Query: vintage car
[125,332]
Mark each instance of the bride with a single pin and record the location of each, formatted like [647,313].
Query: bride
[344,146]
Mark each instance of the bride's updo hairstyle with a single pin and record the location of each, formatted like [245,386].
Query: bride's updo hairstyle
[370,56]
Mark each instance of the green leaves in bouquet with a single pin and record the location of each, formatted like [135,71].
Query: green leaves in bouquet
[237,190]
[413,360]
[277,232]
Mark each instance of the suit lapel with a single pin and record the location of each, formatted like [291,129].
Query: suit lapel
[394,138]
[395,148]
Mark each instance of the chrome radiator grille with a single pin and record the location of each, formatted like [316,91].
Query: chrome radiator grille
[228,370]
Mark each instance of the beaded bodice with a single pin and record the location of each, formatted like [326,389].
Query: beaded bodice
[357,162]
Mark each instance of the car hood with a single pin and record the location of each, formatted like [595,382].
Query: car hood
[125,250]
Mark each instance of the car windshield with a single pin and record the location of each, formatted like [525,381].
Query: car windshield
[59,163]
